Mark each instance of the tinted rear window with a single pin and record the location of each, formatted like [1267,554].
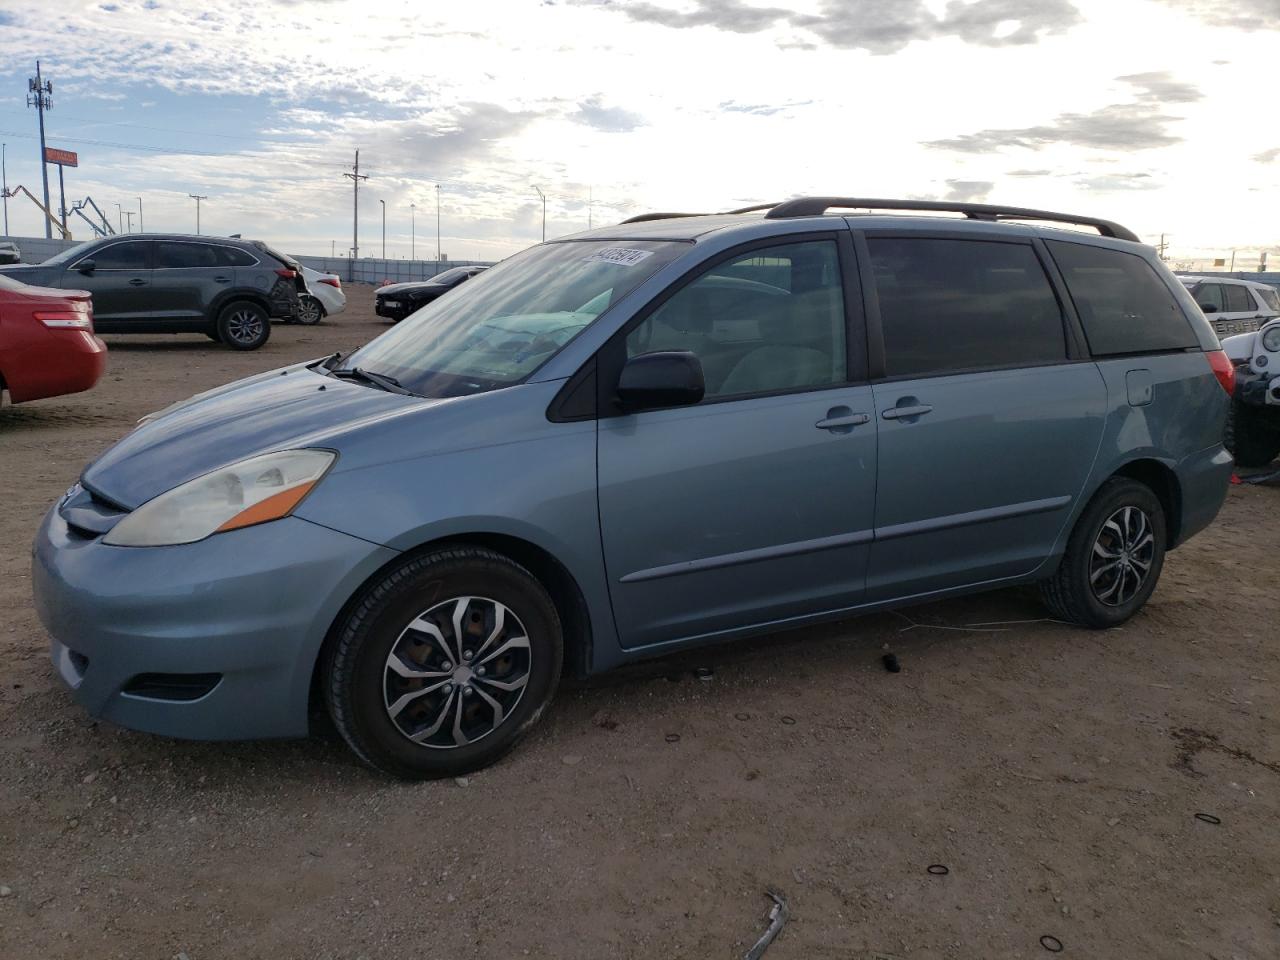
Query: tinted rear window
[121,256]
[176,254]
[949,305]
[1123,304]
[1239,300]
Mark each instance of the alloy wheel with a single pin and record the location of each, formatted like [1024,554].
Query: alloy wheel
[244,325]
[1122,556]
[456,672]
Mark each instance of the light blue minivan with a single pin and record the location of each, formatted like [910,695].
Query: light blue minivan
[680,430]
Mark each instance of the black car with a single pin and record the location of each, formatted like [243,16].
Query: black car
[226,288]
[397,300]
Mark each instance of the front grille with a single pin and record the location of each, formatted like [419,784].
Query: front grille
[172,686]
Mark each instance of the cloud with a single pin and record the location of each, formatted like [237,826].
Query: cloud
[1244,14]
[760,109]
[1118,181]
[1267,156]
[968,191]
[1161,87]
[593,113]
[1029,173]
[1137,125]
[877,26]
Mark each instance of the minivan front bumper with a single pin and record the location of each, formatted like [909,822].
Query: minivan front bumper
[214,640]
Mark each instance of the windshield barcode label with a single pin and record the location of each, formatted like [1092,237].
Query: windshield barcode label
[622,256]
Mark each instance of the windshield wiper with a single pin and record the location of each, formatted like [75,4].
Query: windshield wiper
[380,380]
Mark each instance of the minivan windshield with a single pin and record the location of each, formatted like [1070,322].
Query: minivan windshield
[499,327]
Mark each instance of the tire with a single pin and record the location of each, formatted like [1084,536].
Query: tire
[463,720]
[1251,439]
[1079,591]
[310,312]
[243,325]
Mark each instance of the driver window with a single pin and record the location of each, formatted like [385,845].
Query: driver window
[766,321]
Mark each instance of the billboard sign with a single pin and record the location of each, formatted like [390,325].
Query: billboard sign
[63,158]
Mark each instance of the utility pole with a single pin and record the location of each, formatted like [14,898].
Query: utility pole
[544,211]
[333,249]
[1161,247]
[197,199]
[141,228]
[437,226]
[356,177]
[384,228]
[588,208]
[40,96]
[4,186]
[119,218]
[413,230]
[129,214]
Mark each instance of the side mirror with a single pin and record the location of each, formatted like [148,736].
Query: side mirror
[86,266]
[671,378]
[1208,308]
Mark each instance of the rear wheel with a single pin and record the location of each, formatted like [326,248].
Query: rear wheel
[1113,557]
[444,664]
[243,325]
[310,311]
[1251,435]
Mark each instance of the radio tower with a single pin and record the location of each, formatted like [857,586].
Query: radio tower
[40,96]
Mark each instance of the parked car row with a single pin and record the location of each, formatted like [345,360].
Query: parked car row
[227,288]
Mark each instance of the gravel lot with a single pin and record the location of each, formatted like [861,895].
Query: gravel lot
[1055,772]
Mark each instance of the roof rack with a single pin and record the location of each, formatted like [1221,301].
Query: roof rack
[646,217]
[816,206]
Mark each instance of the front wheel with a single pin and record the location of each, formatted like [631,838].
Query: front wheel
[310,311]
[1113,557]
[443,664]
[243,325]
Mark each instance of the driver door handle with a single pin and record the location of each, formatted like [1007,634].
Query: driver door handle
[847,420]
[137,282]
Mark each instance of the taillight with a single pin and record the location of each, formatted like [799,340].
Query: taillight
[1223,370]
[287,273]
[73,319]
[332,281]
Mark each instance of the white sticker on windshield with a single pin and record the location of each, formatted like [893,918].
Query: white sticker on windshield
[622,256]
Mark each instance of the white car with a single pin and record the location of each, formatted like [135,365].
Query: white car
[1234,306]
[324,296]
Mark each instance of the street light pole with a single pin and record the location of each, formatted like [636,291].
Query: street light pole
[384,228]
[4,186]
[437,226]
[543,196]
[119,218]
[413,228]
[141,228]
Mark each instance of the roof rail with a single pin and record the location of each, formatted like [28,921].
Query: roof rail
[816,206]
[646,217]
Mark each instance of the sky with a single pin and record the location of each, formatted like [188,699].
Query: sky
[1153,113]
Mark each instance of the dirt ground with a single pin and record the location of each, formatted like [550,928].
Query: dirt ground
[1055,772]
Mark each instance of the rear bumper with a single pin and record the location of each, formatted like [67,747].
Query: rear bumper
[240,617]
[1205,478]
[61,362]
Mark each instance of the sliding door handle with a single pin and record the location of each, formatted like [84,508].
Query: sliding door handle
[906,413]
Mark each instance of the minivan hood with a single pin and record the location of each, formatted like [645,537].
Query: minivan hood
[279,410]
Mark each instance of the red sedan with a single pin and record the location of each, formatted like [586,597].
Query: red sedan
[47,346]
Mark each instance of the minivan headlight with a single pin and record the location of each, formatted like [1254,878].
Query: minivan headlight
[240,495]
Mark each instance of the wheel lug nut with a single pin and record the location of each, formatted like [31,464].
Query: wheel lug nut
[466,654]
[466,691]
[446,665]
[479,671]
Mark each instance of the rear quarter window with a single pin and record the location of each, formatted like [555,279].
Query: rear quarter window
[1239,299]
[1123,304]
